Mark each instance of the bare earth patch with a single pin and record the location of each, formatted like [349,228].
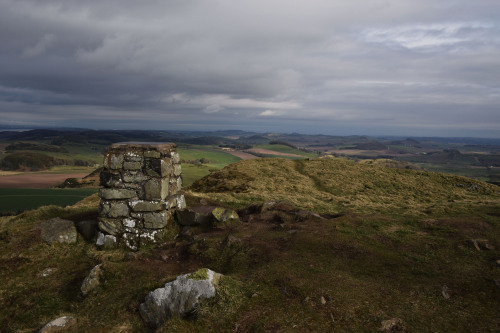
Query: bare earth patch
[271,152]
[242,155]
[34,180]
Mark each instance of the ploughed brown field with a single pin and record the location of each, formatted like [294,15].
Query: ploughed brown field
[36,180]
[271,152]
[242,155]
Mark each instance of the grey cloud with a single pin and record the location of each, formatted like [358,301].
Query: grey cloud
[264,64]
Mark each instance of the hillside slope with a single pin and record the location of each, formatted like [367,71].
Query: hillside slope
[415,248]
[340,185]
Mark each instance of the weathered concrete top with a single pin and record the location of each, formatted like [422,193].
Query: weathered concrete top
[158,146]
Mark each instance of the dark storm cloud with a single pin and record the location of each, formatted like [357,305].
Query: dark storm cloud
[318,65]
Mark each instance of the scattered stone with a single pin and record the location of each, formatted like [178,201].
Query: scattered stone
[189,217]
[58,325]
[92,280]
[481,244]
[498,262]
[224,216]
[57,230]
[322,300]
[48,271]
[87,228]
[178,297]
[105,241]
[446,292]
[393,325]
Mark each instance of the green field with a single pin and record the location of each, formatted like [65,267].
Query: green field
[13,200]
[216,160]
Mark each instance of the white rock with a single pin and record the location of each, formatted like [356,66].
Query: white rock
[178,297]
[58,325]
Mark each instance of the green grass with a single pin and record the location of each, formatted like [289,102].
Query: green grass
[215,156]
[286,150]
[21,199]
[217,160]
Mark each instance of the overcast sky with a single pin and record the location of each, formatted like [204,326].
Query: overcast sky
[395,67]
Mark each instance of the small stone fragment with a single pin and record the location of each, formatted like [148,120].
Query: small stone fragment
[322,300]
[393,325]
[48,271]
[92,280]
[58,325]
[446,292]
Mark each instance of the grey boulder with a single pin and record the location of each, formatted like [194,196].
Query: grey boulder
[178,297]
[57,230]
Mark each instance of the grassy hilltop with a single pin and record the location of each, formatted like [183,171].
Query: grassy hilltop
[341,185]
[377,243]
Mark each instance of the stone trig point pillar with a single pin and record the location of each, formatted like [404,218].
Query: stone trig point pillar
[142,188]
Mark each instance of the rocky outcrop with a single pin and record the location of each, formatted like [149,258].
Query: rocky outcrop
[142,189]
[178,297]
[60,324]
[57,230]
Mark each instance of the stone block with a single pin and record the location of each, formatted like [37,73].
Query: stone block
[147,206]
[148,236]
[175,186]
[175,157]
[111,226]
[181,201]
[133,157]
[113,161]
[132,165]
[177,170]
[159,168]
[156,220]
[116,193]
[114,209]
[131,240]
[152,154]
[105,241]
[110,179]
[129,223]
[134,177]
[156,189]
[57,230]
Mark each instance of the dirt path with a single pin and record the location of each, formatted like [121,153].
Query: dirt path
[242,155]
[272,152]
[37,180]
